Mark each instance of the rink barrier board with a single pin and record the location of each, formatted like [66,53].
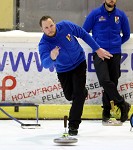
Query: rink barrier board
[15,44]
[54,112]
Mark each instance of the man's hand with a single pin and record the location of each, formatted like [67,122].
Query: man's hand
[54,53]
[102,53]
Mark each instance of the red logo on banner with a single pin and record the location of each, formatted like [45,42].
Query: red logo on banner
[5,87]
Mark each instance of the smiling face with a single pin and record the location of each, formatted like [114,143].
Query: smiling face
[48,27]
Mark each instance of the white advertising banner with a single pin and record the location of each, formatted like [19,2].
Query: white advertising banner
[23,78]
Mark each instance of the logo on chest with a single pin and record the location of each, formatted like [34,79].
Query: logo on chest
[102,18]
[117,20]
[69,37]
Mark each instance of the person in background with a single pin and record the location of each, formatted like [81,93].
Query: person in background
[110,29]
[60,47]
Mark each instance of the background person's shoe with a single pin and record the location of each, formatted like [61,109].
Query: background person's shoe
[111,122]
[124,108]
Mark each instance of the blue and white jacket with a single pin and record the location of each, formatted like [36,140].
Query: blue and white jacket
[71,54]
[109,30]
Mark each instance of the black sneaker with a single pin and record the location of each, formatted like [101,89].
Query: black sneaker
[124,108]
[72,131]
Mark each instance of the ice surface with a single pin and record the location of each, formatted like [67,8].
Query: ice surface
[92,136]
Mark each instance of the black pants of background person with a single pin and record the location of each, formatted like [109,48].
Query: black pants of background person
[73,84]
[108,73]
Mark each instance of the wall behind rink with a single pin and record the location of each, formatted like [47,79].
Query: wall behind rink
[30,11]
[23,78]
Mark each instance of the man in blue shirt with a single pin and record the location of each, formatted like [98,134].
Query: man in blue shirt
[60,47]
[110,29]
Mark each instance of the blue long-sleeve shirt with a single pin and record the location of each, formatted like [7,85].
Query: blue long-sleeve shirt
[109,30]
[71,54]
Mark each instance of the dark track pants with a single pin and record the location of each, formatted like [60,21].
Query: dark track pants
[108,73]
[73,84]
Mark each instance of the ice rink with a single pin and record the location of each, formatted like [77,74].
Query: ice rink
[92,136]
